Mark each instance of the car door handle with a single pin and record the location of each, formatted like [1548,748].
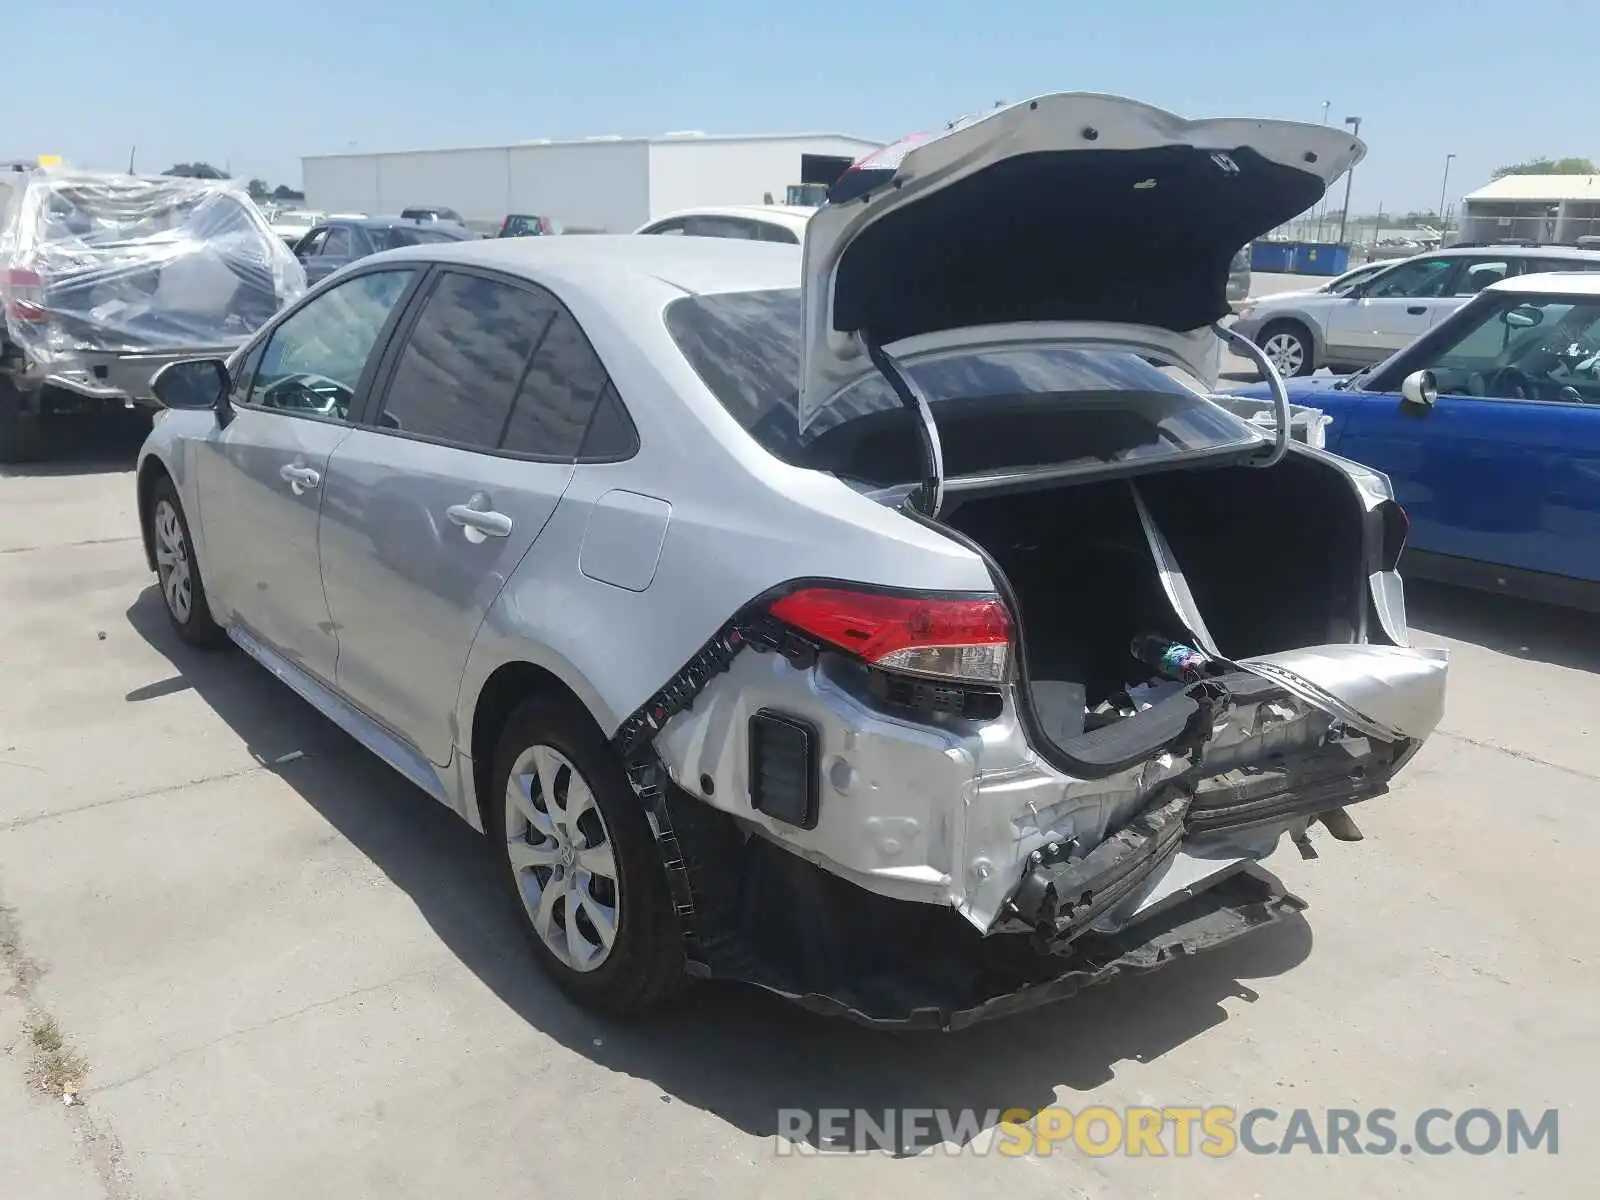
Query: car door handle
[1416,310]
[300,479]
[478,522]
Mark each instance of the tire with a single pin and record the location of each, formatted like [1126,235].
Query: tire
[552,747]
[183,591]
[1289,345]
[21,432]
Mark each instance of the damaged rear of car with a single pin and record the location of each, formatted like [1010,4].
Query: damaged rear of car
[933,805]
[107,278]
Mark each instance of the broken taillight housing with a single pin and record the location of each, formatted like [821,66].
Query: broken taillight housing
[961,638]
[23,291]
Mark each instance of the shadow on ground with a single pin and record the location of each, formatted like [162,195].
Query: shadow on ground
[1563,637]
[87,445]
[729,1050]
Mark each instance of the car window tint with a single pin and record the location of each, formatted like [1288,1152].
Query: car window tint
[611,435]
[1422,279]
[559,394]
[1003,408]
[666,227]
[313,361]
[411,235]
[463,360]
[313,242]
[338,244]
[1477,274]
[778,233]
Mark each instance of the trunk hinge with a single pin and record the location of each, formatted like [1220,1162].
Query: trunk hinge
[929,498]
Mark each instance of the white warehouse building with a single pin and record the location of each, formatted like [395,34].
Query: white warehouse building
[609,184]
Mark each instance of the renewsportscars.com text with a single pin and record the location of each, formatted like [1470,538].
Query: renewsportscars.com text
[1207,1131]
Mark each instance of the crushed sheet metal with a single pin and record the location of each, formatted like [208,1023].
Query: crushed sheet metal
[1390,692]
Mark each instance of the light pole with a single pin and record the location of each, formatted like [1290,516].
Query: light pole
[1349,178]
[1443,184]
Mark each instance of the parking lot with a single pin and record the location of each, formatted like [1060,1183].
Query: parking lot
[286,973]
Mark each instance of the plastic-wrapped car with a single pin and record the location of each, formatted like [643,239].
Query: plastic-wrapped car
[105,278]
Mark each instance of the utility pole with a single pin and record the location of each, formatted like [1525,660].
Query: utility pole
[1349,178]
[132,150]
[1443,184]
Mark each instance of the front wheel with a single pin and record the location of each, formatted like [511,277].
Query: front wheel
[177,569]
[580,861]
[1289,347]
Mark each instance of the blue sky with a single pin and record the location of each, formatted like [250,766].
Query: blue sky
[260,84]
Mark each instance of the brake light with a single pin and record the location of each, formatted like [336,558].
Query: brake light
[966,639]
[24,294]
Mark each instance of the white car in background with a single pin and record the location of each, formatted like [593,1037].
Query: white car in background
[292,224]
[754,222]
[1366,315]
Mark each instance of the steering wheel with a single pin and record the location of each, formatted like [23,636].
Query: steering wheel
[1512,378]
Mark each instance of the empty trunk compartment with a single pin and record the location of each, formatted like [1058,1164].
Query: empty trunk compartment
[1273,559]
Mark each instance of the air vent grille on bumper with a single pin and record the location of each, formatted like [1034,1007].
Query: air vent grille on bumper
[783,768]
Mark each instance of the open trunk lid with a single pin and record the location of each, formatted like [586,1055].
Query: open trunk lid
[1075,217]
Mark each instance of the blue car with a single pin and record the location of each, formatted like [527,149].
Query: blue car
[1488,427]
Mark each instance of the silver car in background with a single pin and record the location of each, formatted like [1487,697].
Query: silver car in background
[866,621]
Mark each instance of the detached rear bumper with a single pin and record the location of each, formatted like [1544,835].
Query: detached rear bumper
[121,378]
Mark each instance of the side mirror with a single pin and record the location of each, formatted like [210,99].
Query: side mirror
[1418,393]
[192,383]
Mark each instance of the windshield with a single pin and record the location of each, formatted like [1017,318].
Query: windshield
[997,409]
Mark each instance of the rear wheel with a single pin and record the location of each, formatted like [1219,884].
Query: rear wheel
[177,569]
[580,860]
[1289,346]
[21,434]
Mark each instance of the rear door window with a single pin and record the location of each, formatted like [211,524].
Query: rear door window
[563,384]
[463,361]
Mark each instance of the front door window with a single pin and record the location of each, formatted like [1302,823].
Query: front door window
[1523,348]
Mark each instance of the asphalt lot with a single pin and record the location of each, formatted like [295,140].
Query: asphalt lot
[287,975]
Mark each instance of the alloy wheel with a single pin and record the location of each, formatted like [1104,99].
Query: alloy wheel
[561,855]
[172,562]
[1286,351]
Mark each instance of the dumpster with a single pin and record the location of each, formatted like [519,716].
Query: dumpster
[1276,257]
[1300,258]
[1321,258]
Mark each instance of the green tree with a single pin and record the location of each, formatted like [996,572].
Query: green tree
[258,190]
[195,170]
[284,192]
[1549,166]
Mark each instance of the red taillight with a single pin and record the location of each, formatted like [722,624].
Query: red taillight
[966,639]
[23,291]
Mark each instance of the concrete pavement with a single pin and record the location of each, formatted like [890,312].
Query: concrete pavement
[288,973]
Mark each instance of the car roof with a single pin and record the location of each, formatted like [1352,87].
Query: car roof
[1562,252]
[601,264]
[1567,283]
[793,215]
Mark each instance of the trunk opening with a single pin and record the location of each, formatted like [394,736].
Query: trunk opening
[1273,558]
